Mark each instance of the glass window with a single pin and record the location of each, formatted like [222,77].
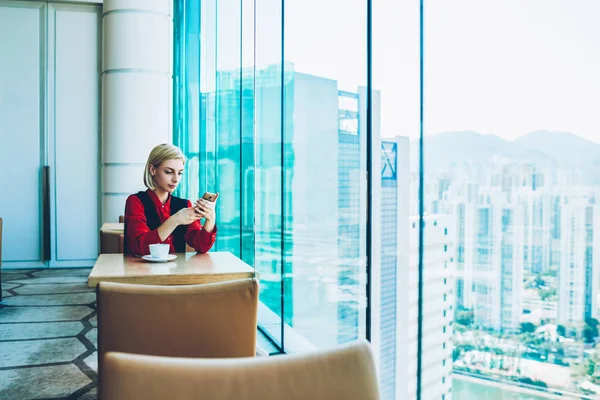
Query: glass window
[514,82]
[274,117]
[213,113]
[271,109]
[325,167]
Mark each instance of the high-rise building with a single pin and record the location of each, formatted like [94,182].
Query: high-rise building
[350,154]
[460,202]
[438,309]
[317,180]
[490,253]
[311,265]
[394,287]
[516,224]
[397,300]
[579,277]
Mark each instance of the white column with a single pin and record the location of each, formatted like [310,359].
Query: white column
[136,94]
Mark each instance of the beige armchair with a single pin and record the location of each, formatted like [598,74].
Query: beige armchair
[345,373]
[211,320]
[111,241]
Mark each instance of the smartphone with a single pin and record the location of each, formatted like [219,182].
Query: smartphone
[212,197]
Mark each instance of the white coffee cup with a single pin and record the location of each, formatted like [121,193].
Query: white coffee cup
[159,251]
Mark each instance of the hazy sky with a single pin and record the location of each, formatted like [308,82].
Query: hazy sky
[502,67]
[508,67]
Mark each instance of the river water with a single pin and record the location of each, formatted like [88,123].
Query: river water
[467,390]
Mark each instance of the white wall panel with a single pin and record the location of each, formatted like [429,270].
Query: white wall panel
[21,129]
[76,73]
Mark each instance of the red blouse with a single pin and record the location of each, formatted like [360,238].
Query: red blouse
[139,236]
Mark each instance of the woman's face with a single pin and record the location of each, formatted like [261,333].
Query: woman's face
[167,175]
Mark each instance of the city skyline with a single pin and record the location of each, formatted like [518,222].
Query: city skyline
[323,124]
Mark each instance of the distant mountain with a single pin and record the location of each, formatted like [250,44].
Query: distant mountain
[446,149]
[566,148]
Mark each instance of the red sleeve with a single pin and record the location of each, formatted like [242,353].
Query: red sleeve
[198,238]
[139,236]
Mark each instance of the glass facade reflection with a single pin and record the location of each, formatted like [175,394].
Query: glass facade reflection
[286,150]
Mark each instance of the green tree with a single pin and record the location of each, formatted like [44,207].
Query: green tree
[464,317]
[530,381]
[455,353]
[527,327]
[590,330]
[539,281]
[547,293]
[585,368]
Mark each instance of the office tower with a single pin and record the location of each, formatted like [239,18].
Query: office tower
[460,202]
[438,308]
[397,299]
[350,246]
[394,208]
[579,276]
[491,245]
[324,164]
[515,223]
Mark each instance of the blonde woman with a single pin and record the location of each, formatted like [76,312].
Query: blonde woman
[156,216]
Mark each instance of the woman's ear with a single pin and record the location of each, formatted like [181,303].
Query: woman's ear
[152,170]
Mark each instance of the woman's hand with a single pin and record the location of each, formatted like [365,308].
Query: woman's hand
[186,216]
[206,209]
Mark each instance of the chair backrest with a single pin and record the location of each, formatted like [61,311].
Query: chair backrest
[346,372]
[111,242]
[208,320]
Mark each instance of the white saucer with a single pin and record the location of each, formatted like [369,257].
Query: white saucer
[170,257]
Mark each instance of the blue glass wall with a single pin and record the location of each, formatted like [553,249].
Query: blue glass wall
[286,148]
[488,262]
[214,115]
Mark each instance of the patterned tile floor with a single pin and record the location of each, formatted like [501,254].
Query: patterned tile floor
[48,335]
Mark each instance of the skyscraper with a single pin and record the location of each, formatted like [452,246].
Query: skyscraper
[579,277]
[514,224]
[490,252]
[350,153]
[397,300]
[394,265]
[319,181]
[438,308]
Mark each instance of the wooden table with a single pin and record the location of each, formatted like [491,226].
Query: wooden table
[112,226]
[186,269]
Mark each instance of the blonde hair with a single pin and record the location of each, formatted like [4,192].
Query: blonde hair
[159,154]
